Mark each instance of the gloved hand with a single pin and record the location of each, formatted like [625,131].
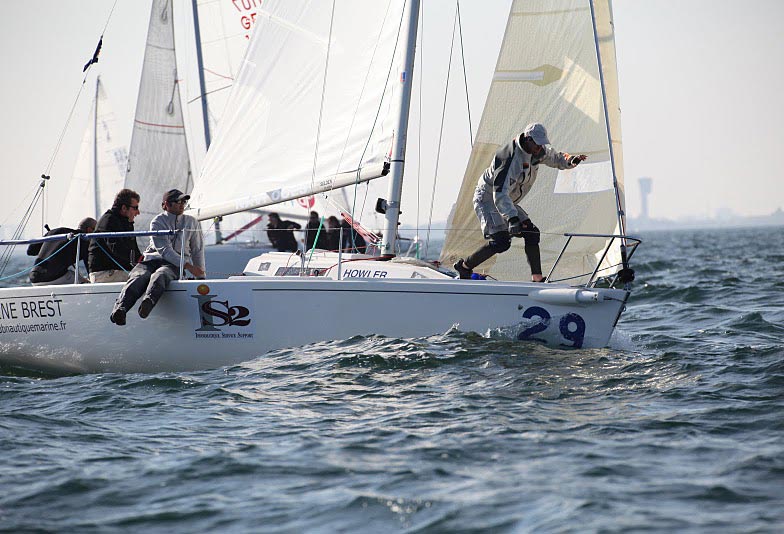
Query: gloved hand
[515,227]
[574,160]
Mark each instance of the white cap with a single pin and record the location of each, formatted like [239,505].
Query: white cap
[537,132]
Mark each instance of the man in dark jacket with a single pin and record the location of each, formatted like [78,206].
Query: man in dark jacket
[281,233]
[55,266]
[333,234]
[111,259]
[314,228]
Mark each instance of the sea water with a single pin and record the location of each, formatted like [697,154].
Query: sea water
[677,426]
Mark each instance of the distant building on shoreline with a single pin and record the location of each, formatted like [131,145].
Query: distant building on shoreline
[737,221]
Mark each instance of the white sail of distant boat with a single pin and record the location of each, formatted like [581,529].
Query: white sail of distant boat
[158,159]
[322,100]
[100,166]
[549,73]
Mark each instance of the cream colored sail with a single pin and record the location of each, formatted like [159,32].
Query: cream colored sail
[100,167]
[548,72]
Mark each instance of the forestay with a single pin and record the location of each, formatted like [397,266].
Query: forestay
[100,168]
[158,158]
[548,72]
[312,101]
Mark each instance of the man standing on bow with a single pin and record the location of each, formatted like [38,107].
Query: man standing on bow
[161,262]
[112,258]
[504,183]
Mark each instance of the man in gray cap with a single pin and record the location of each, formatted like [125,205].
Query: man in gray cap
[55,266]
[504,183]
[161,262]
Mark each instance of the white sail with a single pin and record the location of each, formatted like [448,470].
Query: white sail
[224,30]
[548,72]
[311,102]
[158,159]
[100,166]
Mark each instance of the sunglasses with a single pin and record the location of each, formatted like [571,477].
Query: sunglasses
[136,207]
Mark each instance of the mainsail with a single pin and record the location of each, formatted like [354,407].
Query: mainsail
[100,166]
[158,158]
[548,72]
[310,108]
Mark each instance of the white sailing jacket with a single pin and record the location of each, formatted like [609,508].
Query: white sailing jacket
[513,172]
[168,247]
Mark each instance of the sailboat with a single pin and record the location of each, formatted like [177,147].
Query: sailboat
[351,63]
[100,166]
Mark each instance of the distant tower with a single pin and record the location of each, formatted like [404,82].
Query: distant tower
[645,190]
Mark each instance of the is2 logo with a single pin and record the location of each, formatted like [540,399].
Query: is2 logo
[214,314]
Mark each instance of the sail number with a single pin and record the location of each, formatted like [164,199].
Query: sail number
[571,326]
[248,10]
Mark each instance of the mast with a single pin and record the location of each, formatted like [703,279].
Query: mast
[203,92]
[200,66]
[399,144]
[96,192]
[618,203]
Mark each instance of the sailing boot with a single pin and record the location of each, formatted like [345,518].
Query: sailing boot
[463,270]
[146,307]
[118,316]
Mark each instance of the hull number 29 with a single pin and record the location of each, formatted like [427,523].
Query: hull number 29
[571,326]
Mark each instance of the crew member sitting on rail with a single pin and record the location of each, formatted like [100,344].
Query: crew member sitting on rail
[55,266]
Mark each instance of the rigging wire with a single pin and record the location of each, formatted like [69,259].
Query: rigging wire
[465,75]
[362,93]
[378,110]
[5,258]
[440,135]
[323,94]
[36,264]
[320,118]
[327,194]
[86,71]
[419,125]
[40,194]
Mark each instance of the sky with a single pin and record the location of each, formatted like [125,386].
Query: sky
[700,89]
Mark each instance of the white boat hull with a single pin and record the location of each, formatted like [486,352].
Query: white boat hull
[207,324]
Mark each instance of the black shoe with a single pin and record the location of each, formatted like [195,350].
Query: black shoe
[463,270]
[118,316]
[146,307]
